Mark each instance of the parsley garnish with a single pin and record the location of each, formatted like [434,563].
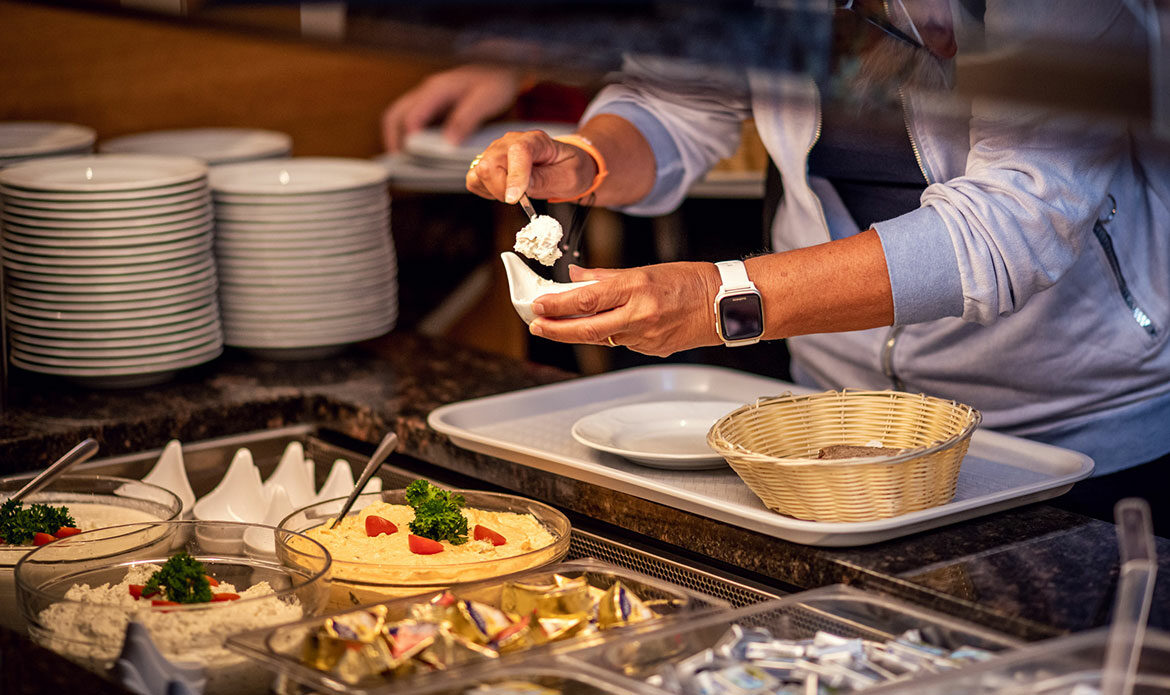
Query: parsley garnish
[18,523]
[184,579]
[436,513]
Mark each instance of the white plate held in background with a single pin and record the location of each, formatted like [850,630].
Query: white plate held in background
[662,434]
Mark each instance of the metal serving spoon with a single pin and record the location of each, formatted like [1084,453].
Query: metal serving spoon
[83,451]
[385,448]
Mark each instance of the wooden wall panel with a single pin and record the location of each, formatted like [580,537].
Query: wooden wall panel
[123,75]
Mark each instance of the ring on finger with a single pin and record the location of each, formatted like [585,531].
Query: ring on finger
[475,161]
[609,339]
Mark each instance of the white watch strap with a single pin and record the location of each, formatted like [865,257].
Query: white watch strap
[733,275]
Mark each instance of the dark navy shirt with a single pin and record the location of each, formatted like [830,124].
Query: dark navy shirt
[865,153]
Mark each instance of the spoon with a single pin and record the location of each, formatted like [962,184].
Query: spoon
[385,448]
[527,205]
[85,450]
[1135,591]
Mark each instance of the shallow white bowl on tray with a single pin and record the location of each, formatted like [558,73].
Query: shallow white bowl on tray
[661,434]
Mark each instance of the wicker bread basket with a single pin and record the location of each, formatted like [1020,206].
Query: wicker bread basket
[773,446]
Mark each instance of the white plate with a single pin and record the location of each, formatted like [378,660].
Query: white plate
[191,216]
[293,339]
[196,325]
[203,202]
[11,197]
[429,143]
[315,297]
[291,282]
[351,196]
[265,242]
[33,138]
[18,308]
[213,345]
[272,312]
[109,254]
[108,265]
[309,227]
[129,283]
[165,368]
[51,298]
[158,343]
[662,434]
[51,235]
[213,145]
[101,173]
[132,195]
[339,265]
[87,242]
[295,176]
[206,292]
[207,310]
[79,351]
[325,218]
[226,250]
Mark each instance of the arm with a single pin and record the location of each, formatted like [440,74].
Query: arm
[661,309]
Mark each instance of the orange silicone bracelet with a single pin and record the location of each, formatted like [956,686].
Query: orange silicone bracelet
[602,171]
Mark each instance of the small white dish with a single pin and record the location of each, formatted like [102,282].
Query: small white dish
[339,483]
[170,473]
[197,214]
[11,197]
[525,285]
[135,195]
[239,496]
[661,434]
[50,215]
[291,478]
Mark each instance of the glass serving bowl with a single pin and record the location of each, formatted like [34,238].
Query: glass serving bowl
[95,501]
[357,582]
[63,597]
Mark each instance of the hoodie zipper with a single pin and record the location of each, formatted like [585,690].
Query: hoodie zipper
[891,341]
[1106,241]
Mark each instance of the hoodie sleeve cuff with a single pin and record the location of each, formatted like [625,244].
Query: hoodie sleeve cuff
[669,171]
[924,273]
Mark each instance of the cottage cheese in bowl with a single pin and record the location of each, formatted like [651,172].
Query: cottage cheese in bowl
[95,502]
[78,598]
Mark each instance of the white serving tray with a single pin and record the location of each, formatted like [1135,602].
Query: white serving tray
[532,427]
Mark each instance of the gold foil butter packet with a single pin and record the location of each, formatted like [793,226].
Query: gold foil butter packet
[619,606]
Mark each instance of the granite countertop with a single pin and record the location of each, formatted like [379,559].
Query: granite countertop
[1035,571]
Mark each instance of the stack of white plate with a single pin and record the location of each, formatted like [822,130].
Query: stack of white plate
[212,145]
[110,277]
[306,262]
[24,140]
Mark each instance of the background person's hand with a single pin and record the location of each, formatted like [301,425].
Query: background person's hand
[468,95]
[530,162]
[656,309]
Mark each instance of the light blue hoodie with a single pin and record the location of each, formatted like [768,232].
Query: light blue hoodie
[1007,293]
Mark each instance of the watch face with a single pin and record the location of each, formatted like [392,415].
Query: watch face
[741,316]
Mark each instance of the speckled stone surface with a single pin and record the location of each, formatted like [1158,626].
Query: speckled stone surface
[1034,572]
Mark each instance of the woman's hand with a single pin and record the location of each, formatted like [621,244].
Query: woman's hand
[530,162]
[469,95]
[656,310]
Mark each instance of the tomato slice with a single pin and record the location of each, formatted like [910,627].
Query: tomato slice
[67,531]
[224,597]
[211,581]
[160,602]
[376,525]
[42,538]
[423,546]
[483,533]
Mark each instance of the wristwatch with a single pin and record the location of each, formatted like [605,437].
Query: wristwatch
[739,309]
